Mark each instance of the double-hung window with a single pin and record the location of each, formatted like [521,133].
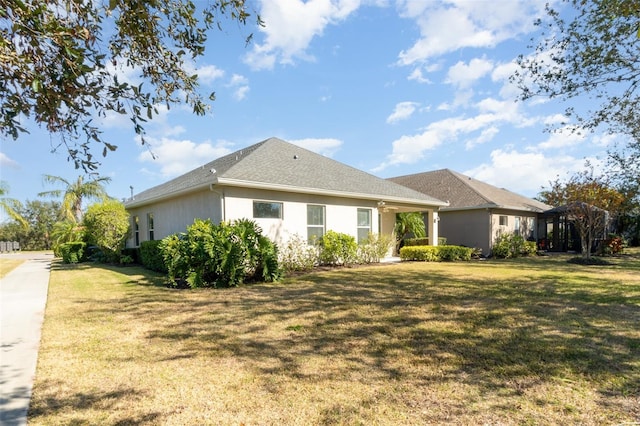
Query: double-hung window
[364,224]
[315,222]
[136,231]
[150,226]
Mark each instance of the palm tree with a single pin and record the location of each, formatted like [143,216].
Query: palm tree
[75,193]
[11,206]
[409,223]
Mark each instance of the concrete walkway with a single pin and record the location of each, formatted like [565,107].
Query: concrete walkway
[23,297]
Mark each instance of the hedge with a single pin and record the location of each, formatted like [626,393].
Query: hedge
[435,253]
[151,256]
[442,241]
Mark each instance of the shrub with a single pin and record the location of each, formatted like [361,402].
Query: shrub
[131,253]
[224,255]
[508,245]
[107,226]
[436,253]
[72,252]
[613,245]
[151,256]
[297,255]
[337,249]
[416,241]
[373,248]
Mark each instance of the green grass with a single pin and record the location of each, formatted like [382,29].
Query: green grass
[524,341]
[7,265]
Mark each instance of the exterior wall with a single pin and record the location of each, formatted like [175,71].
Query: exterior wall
[480,228]
[175,215]
[341,215]
[468,228]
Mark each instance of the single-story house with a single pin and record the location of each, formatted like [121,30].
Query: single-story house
[477,212]
[286,189]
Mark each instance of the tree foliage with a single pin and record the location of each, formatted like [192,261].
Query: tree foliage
[75,193]
[409,224]
[62,62]
[591,48]
[11,206]
[590,201]
[107,226]
[36,232]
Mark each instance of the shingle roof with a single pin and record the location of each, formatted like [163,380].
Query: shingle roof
[464,192]
[276,164]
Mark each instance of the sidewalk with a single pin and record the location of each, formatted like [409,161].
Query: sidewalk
[23,297]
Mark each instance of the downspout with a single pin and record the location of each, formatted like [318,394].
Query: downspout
[223,210]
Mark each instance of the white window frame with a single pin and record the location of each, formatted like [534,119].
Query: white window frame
[368,227]
[316,226]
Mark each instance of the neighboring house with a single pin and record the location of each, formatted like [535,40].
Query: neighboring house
[286,189]
[477,212]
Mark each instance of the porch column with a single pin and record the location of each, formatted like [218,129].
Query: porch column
[432,229]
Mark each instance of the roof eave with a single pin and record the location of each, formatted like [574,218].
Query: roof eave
[319,191]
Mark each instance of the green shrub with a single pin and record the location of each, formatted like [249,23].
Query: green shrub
[297,255]
[416,241]
[72,252]
[224,255]
[337,248]
[132,253]
[508,245]
[151,256]
[435,253]
[374,248]
[107,227]
[420,253]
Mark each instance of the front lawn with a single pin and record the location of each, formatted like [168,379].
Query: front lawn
[524,341]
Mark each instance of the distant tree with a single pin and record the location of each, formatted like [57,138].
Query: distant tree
[409,224]
[40,217]
[591,48]
[590,201]
[107,226]
[10,205]
[75,193]
[62,63]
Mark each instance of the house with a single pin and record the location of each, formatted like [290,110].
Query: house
[477,212]
[286,189]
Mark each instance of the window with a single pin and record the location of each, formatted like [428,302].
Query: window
[267,210]
[517,226]
[364,224]
[315,223]
[504,221]
[136,231]
[150,225]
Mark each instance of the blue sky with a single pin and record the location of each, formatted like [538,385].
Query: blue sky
[390,87]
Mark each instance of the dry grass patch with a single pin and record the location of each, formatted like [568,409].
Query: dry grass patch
[535,341]
[7,265]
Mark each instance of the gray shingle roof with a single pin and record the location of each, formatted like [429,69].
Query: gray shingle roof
[277,164]
[464,192]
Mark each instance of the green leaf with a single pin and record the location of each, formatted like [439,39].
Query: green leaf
[36,85]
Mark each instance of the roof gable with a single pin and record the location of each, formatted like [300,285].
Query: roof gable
[280,165]
[464,192]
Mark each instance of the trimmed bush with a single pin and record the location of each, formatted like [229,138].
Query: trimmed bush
[435,253]
[509,245]
[73,252]
[151,256]
[337,249]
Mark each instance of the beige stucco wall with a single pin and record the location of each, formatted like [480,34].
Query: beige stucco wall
[230,203]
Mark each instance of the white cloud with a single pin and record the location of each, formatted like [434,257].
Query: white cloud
[485,136]
[6,161]
[565,137]
[323,146]
[208,73]
[446,26]
[291,25]
[524,172]
[240,84]
[464,75]
[175,157]
[402,111]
